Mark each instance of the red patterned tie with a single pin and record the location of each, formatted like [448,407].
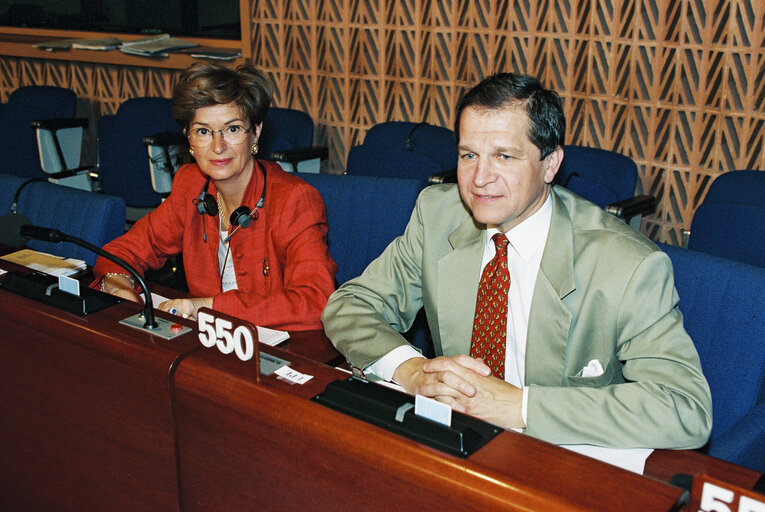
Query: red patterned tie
[490,323]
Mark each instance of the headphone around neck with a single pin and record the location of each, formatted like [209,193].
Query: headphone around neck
[242,217]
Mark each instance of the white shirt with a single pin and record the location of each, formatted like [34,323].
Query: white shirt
[228,276]
[527,243]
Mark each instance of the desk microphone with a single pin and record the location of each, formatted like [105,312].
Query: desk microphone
[56,236]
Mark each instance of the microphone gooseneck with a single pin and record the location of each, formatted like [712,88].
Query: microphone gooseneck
[56,236]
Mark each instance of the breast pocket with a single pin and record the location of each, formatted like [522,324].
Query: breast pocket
[611,375]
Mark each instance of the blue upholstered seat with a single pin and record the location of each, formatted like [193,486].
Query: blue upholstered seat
[402,149]
[730,222]
[722,305]
[123,163]
[365,214]
[287,138]
[93,217]
[606,178]
[18,145]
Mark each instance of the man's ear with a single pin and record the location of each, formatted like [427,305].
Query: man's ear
[552,164]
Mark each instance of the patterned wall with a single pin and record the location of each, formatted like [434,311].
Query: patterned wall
[678,85]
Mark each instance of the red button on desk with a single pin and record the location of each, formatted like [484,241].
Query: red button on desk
[176,327]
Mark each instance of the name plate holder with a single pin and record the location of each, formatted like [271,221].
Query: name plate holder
[394,411]
[44,288]
[711,495]
[231,335]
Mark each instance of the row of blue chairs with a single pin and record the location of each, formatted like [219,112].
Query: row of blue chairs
[425,152]
[721,299]
[139,147]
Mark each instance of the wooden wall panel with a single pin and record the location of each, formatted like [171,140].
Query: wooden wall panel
[678,85]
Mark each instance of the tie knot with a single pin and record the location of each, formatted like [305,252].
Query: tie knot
[500,242]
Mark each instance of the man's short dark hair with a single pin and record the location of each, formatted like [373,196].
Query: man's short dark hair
[543,106]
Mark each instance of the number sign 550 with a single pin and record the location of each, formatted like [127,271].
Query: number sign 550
[214,331]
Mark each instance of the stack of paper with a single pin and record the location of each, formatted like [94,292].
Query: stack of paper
[44,262]
[271,336]
[155,45]
[96,44]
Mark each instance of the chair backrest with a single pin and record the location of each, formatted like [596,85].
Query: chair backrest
[123,163]
[364,214]
[27,104]
[598,175]
[404,149]
[368,161]
[285,128]
[730,222]
[95,218]
[722,305]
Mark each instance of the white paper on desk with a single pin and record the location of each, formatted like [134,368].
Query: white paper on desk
[265,335]
[631,459]
[44,262]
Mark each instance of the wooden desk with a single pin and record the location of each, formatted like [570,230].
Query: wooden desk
[99,416]
[85,415]
[313,458]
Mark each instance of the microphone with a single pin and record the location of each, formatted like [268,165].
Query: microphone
[56,236]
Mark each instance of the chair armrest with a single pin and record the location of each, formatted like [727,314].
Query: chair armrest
[164,139]
[443,177]
[60,123]
[73,172]
[293,156]
[628,208]
[164,151]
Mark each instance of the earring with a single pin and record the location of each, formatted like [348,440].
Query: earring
[191,152]
[254,149]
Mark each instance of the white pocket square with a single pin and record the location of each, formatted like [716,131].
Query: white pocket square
[593,369]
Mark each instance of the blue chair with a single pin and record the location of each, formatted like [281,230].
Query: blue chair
[287,138]
[93,217]
[730,222]
[365,214]
[404,149]
[19,143]
[721,301]
[605,178]
[123,165]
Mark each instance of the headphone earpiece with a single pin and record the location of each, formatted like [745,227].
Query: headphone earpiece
[206,203]
[241,217]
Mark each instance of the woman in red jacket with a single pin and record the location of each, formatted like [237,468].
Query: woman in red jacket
[253,236]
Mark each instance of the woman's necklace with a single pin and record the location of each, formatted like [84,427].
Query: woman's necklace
[222,214]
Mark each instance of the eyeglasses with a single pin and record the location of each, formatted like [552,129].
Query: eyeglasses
[234,134]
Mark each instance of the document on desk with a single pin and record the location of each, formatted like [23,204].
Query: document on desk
[266,335]
[631,459]
[44,262]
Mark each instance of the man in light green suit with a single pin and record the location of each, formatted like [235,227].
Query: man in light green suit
[596,350]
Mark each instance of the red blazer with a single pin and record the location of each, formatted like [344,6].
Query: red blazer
[283,268]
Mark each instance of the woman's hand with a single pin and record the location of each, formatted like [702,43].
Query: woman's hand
[186,308]
[120,285]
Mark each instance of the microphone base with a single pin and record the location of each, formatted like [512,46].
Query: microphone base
[43,288]
[166,329]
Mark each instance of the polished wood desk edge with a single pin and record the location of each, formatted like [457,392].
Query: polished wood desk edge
[502,471]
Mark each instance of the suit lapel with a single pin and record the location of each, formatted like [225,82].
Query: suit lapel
[550,320]
[458,276]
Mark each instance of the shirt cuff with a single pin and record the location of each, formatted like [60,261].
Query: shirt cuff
[386,366]
[525,405]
